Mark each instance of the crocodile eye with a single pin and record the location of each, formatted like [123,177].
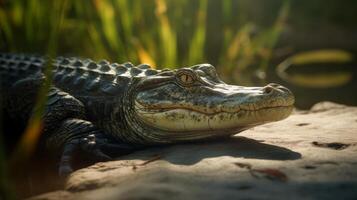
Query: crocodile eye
[185,78]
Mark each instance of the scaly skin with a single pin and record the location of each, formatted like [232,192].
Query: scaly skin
[116,108]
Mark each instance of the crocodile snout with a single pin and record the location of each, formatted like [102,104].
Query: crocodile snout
[276,91]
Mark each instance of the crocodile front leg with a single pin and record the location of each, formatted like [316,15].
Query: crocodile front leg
[66,129]
[81,136]
[66,132]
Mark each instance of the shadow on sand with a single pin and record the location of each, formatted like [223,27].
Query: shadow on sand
[238,146]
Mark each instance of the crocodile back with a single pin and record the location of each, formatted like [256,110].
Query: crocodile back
[79,77]
[100,86]
[14,67]
[89,78]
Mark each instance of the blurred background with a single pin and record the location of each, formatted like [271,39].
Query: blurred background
[308,46]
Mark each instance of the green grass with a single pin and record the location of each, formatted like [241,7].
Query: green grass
[163,33]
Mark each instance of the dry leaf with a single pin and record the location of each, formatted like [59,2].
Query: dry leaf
[273,174]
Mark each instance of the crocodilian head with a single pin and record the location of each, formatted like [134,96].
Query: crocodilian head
[193,103]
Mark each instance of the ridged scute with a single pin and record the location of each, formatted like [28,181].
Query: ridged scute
[121,69]
[135,71]
[78,63]
[144,66]
[81,70]
[14,67]
[105,68]
[57,77]
[122,80]
[128,65]
[103,62]
[78,76]
[68,78]
[92,65]
[79,82]
[107,77]
[65,61]
[69,69]
[150,72]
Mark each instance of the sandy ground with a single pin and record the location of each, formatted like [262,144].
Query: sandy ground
[310,155]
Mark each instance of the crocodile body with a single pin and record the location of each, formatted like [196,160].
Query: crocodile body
[100,105]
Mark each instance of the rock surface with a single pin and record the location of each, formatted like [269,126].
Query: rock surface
[310,155]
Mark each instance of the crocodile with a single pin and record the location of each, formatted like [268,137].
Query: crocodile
[101,108]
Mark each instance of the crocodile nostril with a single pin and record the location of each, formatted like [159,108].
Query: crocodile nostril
[268,89]
[274,85]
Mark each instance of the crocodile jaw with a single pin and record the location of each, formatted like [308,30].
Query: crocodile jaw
[184,120]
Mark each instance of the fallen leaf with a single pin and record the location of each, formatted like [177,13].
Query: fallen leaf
[156,157]
[243,165]
[332,145]
[269,173]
